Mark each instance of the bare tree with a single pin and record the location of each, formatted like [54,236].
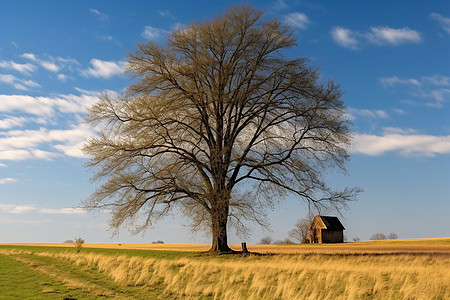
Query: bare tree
[378,236]
[300,231]
[220,125]
[266,240]
[392,236]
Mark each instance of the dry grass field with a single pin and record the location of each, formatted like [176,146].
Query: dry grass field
[396,269]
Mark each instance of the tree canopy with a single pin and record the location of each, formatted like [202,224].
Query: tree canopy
[220,124]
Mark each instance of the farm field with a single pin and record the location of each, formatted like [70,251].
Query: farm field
[392,269]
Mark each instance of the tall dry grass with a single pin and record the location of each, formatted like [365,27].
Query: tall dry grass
[280,276]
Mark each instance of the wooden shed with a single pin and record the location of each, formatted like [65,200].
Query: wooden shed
[326,229]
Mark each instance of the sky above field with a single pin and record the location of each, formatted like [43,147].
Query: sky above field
[391,59]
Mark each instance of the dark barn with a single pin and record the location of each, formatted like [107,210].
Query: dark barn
[326,229]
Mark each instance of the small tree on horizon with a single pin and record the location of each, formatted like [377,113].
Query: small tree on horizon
[220,126]
[266,240]
[378,236]
[300,231]
[79,242]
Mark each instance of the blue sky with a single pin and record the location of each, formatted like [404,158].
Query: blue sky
[391,59]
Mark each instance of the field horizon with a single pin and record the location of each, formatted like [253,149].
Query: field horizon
[411,246]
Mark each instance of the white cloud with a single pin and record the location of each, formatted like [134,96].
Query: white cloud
[404,142]
[62,77]
[30,208]
[48,65]
[7,123]
[29,56]
[27,144]
[153,33]
[43,143]
[393,80]
[17,83]
[22,68]
[377,35]
[47,106]
[345,37]
[41,106]
[297,19]
[386,35]
[7,180]
[104,69]
[367,113]
[445,22]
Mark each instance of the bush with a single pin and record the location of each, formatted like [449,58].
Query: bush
[79,242]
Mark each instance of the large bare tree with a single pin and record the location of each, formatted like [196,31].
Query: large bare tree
[219,124]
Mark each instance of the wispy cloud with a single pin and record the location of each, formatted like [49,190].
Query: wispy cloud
[443,21]
[280,4]
[17,83]
[30,208]
[21,68]
[104,69]
[53,64]
[101,16]
[347,38]
[403,142]
[393,80]
[297,20]
[7,180]
[386,35]
[11,122]
[166,13]
[368,113]
[152,33]
[49,65]
[434,89]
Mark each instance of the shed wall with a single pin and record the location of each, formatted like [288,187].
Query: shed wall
[332,236]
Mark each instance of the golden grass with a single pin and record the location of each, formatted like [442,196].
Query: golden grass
[386,275]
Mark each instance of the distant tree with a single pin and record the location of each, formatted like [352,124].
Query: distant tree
[69,242]
[79,242]
[266,240]
[220,124]
[378,236]
[300,231]
[157,242]
[283,242]
[392,236]
[356,239]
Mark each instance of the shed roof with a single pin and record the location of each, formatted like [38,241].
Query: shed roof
[331,223]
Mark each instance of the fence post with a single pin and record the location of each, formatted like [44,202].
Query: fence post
[244,247]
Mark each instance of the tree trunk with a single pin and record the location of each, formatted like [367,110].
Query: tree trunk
[219,232]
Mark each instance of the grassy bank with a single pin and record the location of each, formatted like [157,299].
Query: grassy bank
[128,274]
